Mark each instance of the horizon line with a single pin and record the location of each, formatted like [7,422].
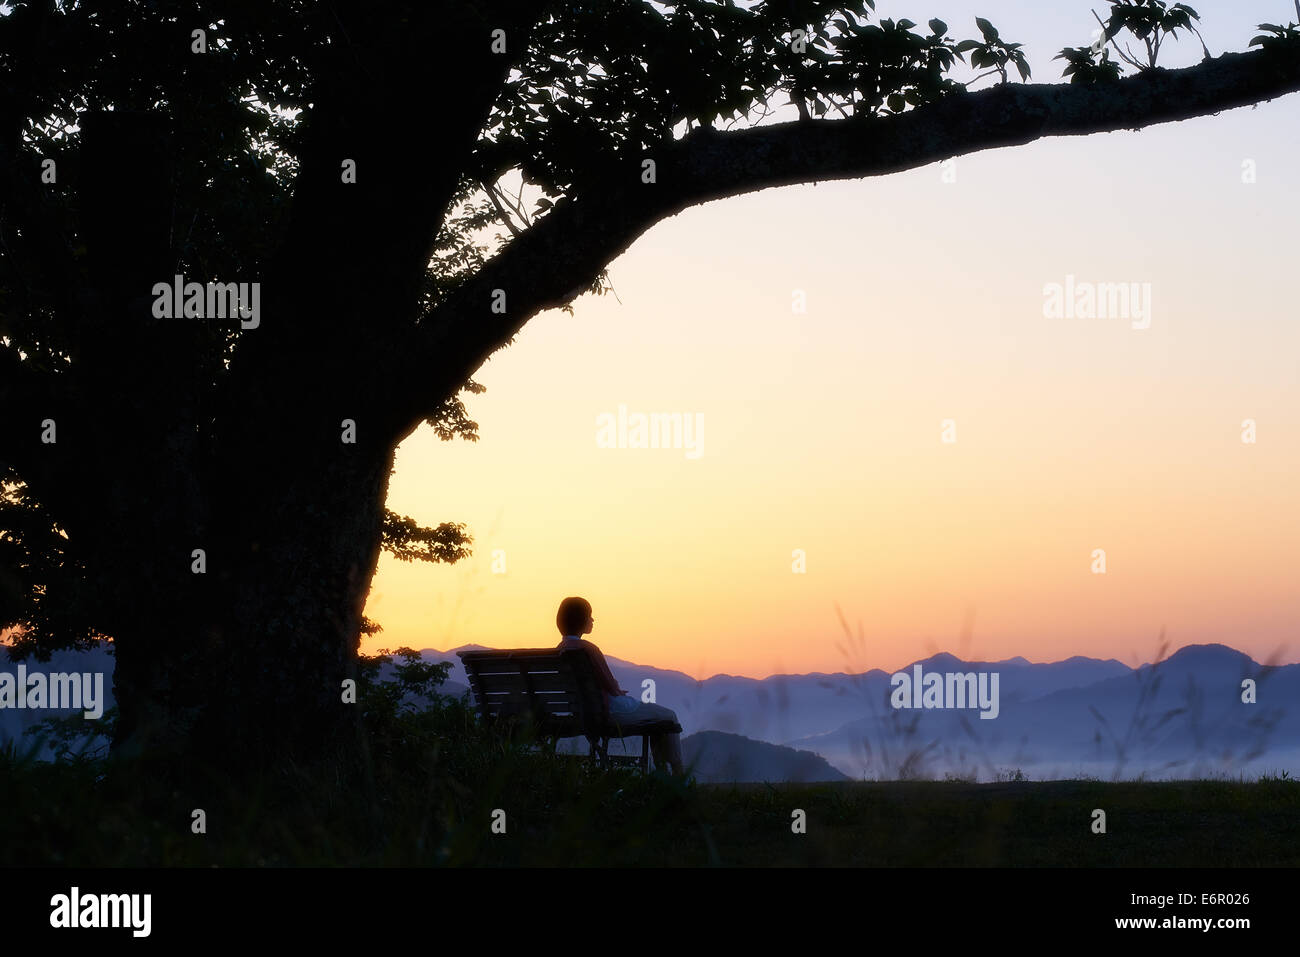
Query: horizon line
[1014,659]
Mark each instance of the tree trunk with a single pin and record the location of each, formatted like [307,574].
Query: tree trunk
[250,668]
[242,660]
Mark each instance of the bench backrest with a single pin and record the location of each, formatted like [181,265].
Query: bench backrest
[557,689]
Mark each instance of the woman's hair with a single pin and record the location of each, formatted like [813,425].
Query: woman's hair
[572,616]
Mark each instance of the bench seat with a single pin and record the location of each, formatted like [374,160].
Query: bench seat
[558,694]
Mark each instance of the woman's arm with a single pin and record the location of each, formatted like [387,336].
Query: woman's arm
[602,669]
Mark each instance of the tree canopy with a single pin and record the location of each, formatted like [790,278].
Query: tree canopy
[348,158]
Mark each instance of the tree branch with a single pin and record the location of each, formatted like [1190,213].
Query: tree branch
[550,263]
[491,190]
[357,247]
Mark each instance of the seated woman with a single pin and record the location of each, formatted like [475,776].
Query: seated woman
[574,620]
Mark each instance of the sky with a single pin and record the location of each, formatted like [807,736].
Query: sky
[822,431]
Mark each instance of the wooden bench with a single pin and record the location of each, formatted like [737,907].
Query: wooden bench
[556,693]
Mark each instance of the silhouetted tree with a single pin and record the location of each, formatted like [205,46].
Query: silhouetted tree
[209,492]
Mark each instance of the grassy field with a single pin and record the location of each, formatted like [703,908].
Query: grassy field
[556,812]
[434,787]
[922,823]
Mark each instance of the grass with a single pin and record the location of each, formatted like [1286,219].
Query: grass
[423,787]
[1015,824]
[559,811]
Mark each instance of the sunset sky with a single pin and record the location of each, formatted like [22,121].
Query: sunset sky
[822,430]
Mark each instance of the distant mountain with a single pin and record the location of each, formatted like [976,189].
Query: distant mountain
[1181,717]
[718,757]
[788,707]
[1080,716]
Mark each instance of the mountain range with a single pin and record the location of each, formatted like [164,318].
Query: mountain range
[1182,717]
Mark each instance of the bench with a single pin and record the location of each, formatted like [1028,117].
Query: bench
[557,693]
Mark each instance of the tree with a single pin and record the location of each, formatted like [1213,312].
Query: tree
[209,492]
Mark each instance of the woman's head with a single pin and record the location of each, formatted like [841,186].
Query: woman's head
[574,617]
